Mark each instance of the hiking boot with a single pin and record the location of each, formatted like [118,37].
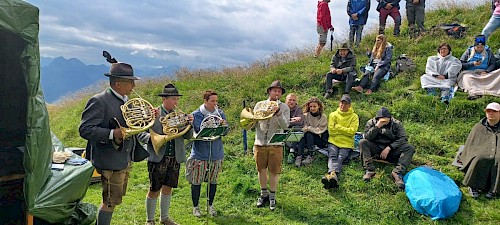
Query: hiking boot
[368,175]
[290,159]
[369,92]
[212,211]
[272,204]
[196,211]
[262,200]
[150,222]
[168,221]
[298,161]
[309,159]
[325,181]
[491,195]
[474,193]
[398,181]
[327,95]
[330,180]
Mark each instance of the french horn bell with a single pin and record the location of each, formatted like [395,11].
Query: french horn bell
[263,111]
[174,125]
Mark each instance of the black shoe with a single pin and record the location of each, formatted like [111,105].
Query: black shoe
[262,200]
[491,195]
[334,180]
[326,182]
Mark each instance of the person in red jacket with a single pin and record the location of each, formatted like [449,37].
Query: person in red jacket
[323,24]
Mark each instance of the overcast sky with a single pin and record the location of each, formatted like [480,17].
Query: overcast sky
[196,34]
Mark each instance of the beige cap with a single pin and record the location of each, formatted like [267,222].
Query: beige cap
[494,106]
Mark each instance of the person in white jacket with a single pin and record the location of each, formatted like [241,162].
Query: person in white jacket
[441,72]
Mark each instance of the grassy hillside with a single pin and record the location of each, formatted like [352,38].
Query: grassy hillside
[435,131]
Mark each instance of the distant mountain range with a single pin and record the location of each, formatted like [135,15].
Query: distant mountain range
[60,76]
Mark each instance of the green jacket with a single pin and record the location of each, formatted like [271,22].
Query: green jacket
[342,127]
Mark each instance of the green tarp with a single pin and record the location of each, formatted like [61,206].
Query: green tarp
[24,123]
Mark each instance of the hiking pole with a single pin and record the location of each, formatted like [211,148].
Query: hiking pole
[331,39]
[245,138]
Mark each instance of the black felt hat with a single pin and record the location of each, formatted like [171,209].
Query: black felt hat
[169,90]
[122,70]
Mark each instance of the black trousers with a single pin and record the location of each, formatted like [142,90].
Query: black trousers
[348,78]
[309,140]
[401,156]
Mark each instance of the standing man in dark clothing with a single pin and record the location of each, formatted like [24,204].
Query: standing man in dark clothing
[342,68]
[415,12]
[358,15]
[389,8]
[108,151]
[385,138]
[164,165]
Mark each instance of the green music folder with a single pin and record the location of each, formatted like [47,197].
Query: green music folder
[212,133]
[286,137]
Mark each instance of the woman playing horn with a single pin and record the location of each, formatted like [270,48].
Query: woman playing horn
[163,167]
[205,161]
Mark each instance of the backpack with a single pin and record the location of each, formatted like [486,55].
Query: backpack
[453,30]
[405,63]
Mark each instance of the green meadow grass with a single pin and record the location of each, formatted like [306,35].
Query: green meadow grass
[435,131]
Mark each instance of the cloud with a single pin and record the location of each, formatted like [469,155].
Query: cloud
[201,33]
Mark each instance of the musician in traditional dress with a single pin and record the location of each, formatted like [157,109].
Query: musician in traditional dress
[164,165]
[205,161]
[268,156]
[106,148]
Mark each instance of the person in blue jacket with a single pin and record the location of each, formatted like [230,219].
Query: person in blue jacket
[205,161]
[358,14]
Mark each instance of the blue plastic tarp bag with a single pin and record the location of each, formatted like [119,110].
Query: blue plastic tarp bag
[432,193]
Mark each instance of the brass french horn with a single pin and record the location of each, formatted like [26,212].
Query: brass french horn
[139,116]
[263,111]
[174,124]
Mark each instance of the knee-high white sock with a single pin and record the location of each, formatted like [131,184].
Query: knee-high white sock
[150,208]
[164,206]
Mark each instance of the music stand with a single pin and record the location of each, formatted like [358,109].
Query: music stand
[286,137]
[290,136]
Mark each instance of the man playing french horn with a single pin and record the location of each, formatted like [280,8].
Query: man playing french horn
[205,161]
[268,156]
[107,149]
[165,158]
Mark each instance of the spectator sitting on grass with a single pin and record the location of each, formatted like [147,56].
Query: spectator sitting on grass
[481,155]
[342,126]
[378,66]
[342,68]
[477,61]
[315,131]
[441,72]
